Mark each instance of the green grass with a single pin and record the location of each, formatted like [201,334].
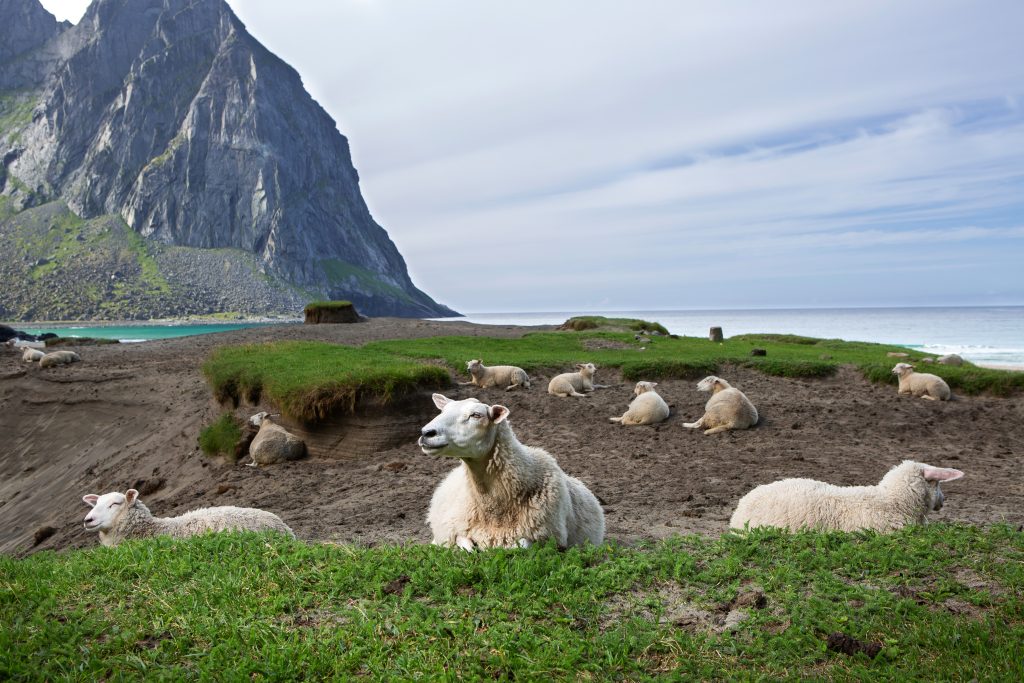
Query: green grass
[311,381]
[945,603]
[343,273]
[220,437]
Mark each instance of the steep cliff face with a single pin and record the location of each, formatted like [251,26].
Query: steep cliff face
[170,115]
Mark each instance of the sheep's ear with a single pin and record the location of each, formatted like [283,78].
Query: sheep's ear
[497,413]
[90,499]
[440,400]
[130,496]
[940,473]
[653,384]
[580,366]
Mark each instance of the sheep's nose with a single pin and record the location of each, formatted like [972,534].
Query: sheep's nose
[428,432]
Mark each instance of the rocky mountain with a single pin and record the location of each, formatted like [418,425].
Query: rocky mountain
[167,115]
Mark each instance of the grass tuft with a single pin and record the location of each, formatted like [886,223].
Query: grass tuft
[220,437]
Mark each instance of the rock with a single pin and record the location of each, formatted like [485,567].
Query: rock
[926,360]
[897,354]
[848,645]
[274,444]
[758,352]
[42,533]
[331,312]
[715,334]
[950,359]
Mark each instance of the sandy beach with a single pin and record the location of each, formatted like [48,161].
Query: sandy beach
[129,416]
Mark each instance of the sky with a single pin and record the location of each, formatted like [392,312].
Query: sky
[589,155]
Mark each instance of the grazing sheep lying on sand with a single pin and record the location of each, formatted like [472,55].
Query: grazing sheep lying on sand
[574,383]
[508,376]
[120,516]
[504,494]
[58,358]
[921,384]
[727,408]
[647,408]
[31,355]
[905,495]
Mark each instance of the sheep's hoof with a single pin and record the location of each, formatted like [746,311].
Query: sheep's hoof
[465,544]
[523,543]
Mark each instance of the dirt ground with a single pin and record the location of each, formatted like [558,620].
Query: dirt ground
[129,416]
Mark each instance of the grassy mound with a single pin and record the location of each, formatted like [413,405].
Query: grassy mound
[930,602]
[581,323]
[320,312]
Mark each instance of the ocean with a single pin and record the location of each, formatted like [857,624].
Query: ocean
[993,335]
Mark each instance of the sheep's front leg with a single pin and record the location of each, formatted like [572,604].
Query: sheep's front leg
[715,430]
[694,425]
[929,397]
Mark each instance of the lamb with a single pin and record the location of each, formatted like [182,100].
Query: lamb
[31,355]
[647,408]
[574,383]
[727,408]
[58,358]
[921,384]
[118,516]
[906,494]
[504,494]
[508,376]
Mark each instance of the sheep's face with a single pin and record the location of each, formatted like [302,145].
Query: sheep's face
[902,369]
[586,369]
[107,508]
[464,429]
[257,419]
[474,365]
[708,383]
[644,387]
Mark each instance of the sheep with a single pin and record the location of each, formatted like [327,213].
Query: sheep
[508,376]
[119,516]
[574,383]
[31,355]
[647,408]
[504,494]
[920,384]
[727,408]
[906,494]
[58,358]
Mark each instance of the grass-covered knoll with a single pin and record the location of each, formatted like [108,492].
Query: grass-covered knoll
[943,602]
[311,380]
[220,437]
[582,323]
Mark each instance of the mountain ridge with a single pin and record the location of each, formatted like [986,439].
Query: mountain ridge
[171,116]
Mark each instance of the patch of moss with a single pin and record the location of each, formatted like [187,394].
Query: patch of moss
[220,437]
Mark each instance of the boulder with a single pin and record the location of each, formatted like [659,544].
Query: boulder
[950,359]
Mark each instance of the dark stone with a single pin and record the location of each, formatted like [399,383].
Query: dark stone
[42,533]
[848,645]
[318,315]
[396,587]
[758,352]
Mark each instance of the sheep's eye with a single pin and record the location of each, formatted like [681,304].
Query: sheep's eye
[113,504]
[476,416]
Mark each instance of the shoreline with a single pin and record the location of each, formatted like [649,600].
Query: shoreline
[1008,367]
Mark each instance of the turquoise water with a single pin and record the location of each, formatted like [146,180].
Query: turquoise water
[139,333]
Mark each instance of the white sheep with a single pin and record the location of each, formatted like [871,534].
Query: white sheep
[508,376]
[31,355]
[647,408]
[727,408]
[120,516]
[906,494]
[921,384]
[504,494]
[58,358]
[575,383]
